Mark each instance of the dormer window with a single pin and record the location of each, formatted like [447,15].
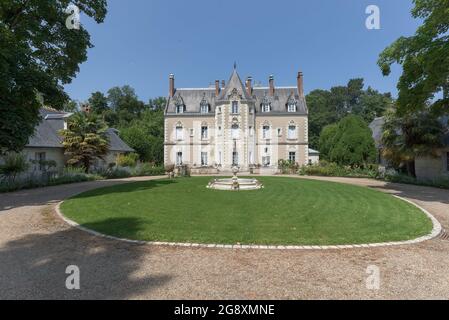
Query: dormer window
[180,108]
[265,105]
[204,106]
[235,107]
[292,105]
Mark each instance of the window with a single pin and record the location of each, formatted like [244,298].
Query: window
[292,107]
[180,108]
[279,132]
[235,131]
[292,156]
[266,107]
[179,132]
[40,157]
[203,159]
[266,150]
[292,132]
[179,158]
[251,131]
[266,161]
[235,107]
[235,158]
[219,131]
[192,133]
[266,132]
[204,106]
[204,132]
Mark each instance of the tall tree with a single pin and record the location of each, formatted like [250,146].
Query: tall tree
[98,102]
[328,107]
[424,58]
[85,139]
[349,142]
[38,55]
[406,137]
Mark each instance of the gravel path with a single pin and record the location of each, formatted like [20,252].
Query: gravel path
[36,247]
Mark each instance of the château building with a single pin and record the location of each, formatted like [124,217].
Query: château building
[232,124]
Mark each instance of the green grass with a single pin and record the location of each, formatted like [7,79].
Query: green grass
[287,212]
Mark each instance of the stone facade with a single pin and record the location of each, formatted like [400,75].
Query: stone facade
[219,127]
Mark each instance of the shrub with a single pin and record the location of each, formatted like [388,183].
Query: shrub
[330,169]
[116,173]
[127,160]
[148,169]
[288,167]
[14,165]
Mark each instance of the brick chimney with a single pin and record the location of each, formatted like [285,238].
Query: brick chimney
[171,91]
[300,84]
[217,88]
[249,86]
[271,81]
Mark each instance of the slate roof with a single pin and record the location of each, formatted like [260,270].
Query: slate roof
[192,98]
[46,134]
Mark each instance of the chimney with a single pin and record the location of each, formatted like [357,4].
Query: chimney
[249,87]
[300,84]
[223,84]
[217,88]
[172,85]
[271,81]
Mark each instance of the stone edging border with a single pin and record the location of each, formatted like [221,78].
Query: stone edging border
[436,231]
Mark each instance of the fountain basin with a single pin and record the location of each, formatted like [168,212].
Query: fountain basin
[233,184]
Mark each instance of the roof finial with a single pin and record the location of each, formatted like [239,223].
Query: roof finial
[235,65]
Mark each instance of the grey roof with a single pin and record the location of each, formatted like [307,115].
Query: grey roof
[191,98]
[46,134]
[312,151]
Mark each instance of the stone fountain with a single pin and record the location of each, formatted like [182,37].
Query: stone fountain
[235,183]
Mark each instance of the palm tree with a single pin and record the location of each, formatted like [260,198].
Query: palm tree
[408,136]
[85,139]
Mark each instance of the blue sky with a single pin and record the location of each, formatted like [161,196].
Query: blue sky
[143,41]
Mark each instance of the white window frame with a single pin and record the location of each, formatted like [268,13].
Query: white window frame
[179,133]
[235,107]
[179,158]
[235,131]
[204,159]
[292,107]
[180,109]
[292,134]
[204,132]
[290,153]
[266,132]
[266,107]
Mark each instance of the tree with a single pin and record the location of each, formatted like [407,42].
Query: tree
[38,55]
[85,140]
[349,142]
[328,107]
[406,137]
[425,60]
[98,102]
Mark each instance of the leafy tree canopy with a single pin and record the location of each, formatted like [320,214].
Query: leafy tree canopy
[424,58]
[330,106]
[38,55]
[349,142]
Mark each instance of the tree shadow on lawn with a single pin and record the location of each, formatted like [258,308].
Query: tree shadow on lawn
[52,195]
[125,188]
[34,266]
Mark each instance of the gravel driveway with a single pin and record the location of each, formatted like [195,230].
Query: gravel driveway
[36,247]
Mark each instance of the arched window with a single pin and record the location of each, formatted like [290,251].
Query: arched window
[179,132]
